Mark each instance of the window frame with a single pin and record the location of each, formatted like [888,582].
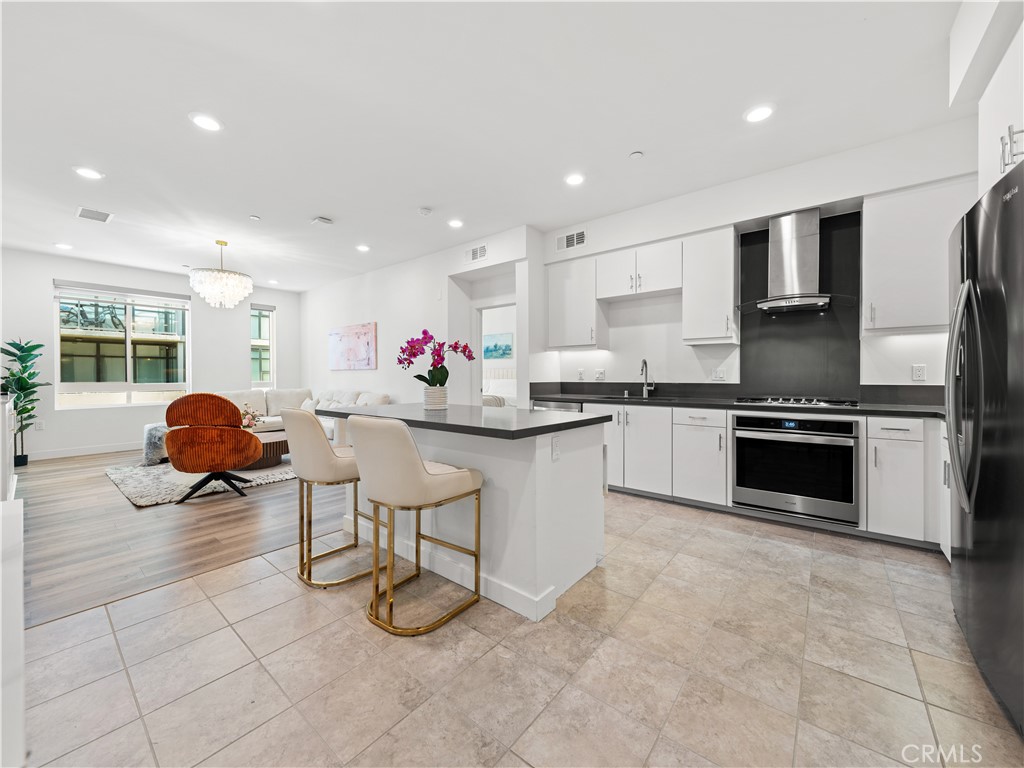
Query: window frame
[69,292]
[272,320]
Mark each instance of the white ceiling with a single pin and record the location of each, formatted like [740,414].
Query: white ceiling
[366,112]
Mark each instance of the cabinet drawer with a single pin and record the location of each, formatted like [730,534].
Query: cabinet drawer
[896,429]
[700,417]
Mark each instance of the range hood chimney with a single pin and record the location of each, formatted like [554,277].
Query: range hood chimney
[793,264]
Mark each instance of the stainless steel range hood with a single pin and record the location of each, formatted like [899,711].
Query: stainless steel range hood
[793,264]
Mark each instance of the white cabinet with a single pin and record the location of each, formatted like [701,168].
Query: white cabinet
[612,439]
[574,319]
[905,242]
[647,270]
[709,288]
[896,478]
[943,501]
[647,448]
[699,468]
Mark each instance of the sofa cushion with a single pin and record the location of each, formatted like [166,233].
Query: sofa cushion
[340,396]
[309,404]
[373,398]
[285,398]
[256,399]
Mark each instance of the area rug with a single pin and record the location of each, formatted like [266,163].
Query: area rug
[162,484]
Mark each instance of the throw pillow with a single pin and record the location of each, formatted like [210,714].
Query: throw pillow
[309,405]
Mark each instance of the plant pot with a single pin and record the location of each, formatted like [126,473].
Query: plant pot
[435,398]
[20,459]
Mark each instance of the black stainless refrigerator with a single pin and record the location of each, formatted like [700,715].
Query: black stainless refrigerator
[985,426]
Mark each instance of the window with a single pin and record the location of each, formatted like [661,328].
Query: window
[118,347]
[261,333]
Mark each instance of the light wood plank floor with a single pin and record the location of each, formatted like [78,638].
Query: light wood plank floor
[86,544]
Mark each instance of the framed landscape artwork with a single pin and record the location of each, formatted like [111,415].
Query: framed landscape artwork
[497,346]
[353,348]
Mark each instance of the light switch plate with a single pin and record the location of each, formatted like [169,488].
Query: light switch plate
[919,372]
[579,374]
[556,448]
[599,374]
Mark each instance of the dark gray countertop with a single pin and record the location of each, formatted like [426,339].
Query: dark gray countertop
[501,423]
[864,409]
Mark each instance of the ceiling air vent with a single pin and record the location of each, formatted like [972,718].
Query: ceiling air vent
[478,253]
[91,215]
[571,240]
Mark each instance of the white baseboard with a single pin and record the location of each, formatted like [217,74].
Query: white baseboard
[86,450]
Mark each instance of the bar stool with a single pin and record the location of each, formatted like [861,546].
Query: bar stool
[316,462]
[396,477]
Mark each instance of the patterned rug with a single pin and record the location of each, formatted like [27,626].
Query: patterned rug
[162,484]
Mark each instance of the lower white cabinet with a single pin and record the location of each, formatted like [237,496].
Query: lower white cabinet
[699,467]
[944,499]
[639,442]
[896,481]
[612,439]
[647,448]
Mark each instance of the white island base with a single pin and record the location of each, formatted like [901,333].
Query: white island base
[542,515]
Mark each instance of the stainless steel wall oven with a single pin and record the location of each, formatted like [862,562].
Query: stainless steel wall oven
[796,465]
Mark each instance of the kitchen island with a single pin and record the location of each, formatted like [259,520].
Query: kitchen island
[542,516]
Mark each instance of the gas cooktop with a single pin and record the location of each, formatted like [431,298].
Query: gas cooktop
[797,401]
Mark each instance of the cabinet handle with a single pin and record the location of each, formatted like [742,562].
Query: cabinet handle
[895,429]
[639,280]
[719,442]
[876,455]
[627,418]
[872,315]
[698,418]
[618,417]
[945,473]
[591,333]
[726,323]
[631,283]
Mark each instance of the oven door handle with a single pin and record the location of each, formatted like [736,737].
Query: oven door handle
[789,437]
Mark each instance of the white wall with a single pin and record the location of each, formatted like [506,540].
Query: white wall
[1001,105]
[403,299]
[219,354]
[939,152]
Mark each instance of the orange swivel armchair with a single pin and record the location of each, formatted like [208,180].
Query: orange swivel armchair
[209,439]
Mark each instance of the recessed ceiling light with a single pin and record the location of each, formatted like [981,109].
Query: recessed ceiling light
[272,282]
[362,248]
[638,155]
[757,114]
[63,246]
[89,173]
[574,179]
[254,217]
[455,223]
[206,122]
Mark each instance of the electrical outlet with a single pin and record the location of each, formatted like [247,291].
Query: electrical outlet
[718,374]
[919,372]
[40,425]
[599,374]
[556,448]
[579,374]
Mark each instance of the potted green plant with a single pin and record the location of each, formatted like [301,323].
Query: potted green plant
[20,382]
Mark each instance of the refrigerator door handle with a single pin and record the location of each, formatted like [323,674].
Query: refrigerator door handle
[952,428]
[972,472]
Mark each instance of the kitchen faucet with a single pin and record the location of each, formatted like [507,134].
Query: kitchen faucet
[643,372]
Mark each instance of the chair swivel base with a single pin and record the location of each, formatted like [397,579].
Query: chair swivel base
[227,478]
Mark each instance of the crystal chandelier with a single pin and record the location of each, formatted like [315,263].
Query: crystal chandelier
[221,288]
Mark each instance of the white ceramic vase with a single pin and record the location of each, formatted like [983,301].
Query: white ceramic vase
[435,398]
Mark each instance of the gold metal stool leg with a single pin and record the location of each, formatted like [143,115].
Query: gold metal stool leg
[306,556]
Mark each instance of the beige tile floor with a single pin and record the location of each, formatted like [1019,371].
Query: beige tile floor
[701,639]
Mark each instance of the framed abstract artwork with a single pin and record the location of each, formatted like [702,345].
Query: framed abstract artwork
[497,346]
[353,348]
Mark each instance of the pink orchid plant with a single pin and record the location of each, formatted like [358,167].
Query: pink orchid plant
[437,376]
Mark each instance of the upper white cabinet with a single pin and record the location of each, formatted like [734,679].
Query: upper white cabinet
[574,319]
[649,269]
[709,288]
[905,241]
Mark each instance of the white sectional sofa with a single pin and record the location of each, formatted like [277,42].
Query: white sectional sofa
[269,402]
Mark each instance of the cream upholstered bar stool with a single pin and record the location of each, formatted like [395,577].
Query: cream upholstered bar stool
[316,462]
[396,477]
